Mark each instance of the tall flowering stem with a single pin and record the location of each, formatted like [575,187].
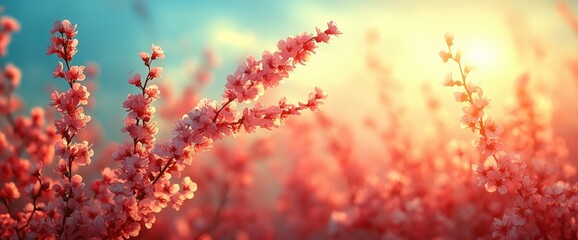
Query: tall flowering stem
[128,184]
[541,208]
[489,133]
[69,104]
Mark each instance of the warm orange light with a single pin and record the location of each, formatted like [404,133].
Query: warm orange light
[489,54]
[484,57]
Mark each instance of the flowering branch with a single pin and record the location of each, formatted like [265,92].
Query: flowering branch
[73,120]
[143,183]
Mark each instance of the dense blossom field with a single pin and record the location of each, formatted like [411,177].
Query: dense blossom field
[462,157]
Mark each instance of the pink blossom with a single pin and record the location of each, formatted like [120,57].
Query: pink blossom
[76,73]
[58,73]
[472,115]
[77,121]
[273,67]
[202,115]
[13,74]
[82,153]
[503,228]
[157,53]
[78,95]
[332,29]
[9,24]
[145,57]
[9,191]
[5,39]
[137,105]
[127,208]
[55,47]
[135,80]
[556,192]
[491,128]
[56,27]
[301,57]
[57,42]
[259,117]
[153,91]
[488,145]
[461,96]
[37,116]
[71,49]
[506,174]
[481,103]
[68,29]
[315,99]
[156,72]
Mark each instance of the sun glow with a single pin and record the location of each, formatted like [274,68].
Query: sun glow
[487,54]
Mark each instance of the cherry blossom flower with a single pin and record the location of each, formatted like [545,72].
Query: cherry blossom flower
[156,72]
[135,80]
[58,71]
[9,191]
[12,74]
[157,53]
[145,57]
[76,73]
[9,24]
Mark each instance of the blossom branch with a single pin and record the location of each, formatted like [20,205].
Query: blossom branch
[507,172]
[73,120]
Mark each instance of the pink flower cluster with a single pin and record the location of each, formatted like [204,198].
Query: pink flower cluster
[503,175]
[211,121]
[255,76]
[145,181]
